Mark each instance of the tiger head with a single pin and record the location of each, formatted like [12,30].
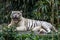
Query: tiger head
[16,15]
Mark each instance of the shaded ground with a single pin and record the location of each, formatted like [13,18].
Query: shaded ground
[28,32]
[28,35]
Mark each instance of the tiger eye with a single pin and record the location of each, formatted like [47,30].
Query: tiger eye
[18,13]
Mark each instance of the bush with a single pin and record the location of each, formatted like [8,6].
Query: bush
[10,34]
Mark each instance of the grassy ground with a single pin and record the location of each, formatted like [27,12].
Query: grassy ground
[9,34]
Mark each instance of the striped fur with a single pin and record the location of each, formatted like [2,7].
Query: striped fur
[24,24]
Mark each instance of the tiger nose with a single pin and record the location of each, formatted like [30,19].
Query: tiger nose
[15,15]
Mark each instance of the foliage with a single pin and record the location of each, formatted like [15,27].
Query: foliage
[10,34]
[47,10]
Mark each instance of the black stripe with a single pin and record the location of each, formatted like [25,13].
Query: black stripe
[32,24]
[36,23]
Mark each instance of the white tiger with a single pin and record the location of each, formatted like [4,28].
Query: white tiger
[24,24]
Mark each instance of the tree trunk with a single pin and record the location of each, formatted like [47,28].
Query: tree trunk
[52,11]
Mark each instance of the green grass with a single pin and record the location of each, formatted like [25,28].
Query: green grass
[10,34]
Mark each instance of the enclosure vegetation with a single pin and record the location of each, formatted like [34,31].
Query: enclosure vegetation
[45,10]
[10,34]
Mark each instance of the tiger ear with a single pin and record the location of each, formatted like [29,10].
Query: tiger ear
[12,11]
[21,11]
[11,14]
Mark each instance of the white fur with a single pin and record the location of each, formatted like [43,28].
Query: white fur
[39,25]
